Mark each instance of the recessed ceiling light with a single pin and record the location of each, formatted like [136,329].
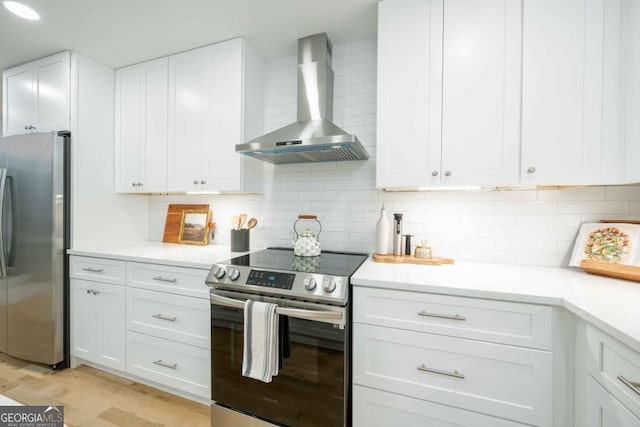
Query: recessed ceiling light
[22,10]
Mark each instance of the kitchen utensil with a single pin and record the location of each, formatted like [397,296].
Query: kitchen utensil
[397,234]
[306,243]
[252,223]
[235,221]
[243,218]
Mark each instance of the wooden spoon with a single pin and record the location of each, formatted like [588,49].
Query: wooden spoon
[252,223]
[243,218]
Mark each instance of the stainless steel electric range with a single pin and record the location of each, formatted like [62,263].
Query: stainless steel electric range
[312,388]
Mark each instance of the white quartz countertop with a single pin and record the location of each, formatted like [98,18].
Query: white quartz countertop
[612,305]
[191,256]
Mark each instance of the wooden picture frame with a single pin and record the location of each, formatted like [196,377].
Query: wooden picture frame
[194,229]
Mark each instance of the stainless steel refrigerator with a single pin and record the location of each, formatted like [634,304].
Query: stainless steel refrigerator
[34,237]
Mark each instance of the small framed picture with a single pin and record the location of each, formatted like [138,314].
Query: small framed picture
[612,243]
[195,227]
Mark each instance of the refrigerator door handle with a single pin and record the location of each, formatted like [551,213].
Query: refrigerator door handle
[3,190]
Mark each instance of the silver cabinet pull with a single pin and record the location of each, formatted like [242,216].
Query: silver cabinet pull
[442,316]
[447,173]
[164,364]
[161,317]
[196,181]
[164,279]
[91,291]
[93,270]
[531,170]
[434,173]
[203,182]
[635,387]
[454,374]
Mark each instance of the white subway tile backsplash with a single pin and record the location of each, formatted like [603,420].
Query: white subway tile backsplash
[594,207]
[534,227]
[581,193]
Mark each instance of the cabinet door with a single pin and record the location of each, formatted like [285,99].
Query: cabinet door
[566,60]
[51,85]
[409,93]
[128,142]
[17,100]
[481,92]
[110,331]
[154,114]
[187,115]
[604,410]
[84,319]
[632,130]
[221,166]
[375,408]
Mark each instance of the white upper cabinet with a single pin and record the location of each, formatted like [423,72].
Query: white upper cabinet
[187,114]
[481,93]
[448,92]
[409,91]
[571,94]
[141,127]
[36,96]
[178,119]
[216,100]
[632,134]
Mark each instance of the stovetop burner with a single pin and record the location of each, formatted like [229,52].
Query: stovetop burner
[277,271]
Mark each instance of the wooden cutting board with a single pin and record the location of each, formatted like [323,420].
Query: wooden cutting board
[410,259]
[174,221]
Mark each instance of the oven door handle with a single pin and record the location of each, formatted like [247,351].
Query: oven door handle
[331,316]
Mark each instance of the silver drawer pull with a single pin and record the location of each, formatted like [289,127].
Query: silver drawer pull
[91,291]
[635,387]
[93,270]
[164,279]
[454,374]
[160,316]
[442,316]
[166,365]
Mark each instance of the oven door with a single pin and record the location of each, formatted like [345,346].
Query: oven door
[310,388]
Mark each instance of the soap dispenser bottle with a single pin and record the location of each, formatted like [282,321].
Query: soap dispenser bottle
[383,229]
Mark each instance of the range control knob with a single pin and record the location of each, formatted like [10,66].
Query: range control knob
[219,273]
[329,286]
[310,283]
[234,274]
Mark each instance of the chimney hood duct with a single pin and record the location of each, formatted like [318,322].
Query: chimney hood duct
[313,138]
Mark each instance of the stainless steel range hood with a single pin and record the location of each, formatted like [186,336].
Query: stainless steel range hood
[313,138]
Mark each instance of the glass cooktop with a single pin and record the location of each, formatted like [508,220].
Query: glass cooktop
[328,262]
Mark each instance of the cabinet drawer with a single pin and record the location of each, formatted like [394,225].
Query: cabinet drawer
[508,382]
[164,278]
[173,364]
[518,324]
[97,269]
[616,367]
[174,317]
[604,410]
[374,408]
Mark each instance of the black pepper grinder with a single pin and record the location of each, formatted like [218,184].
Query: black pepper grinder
[397,234]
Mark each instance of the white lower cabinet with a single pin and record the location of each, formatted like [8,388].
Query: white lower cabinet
[375,408]
[438,352]
[178,365]
[97,323]
[604,410]
[149,320]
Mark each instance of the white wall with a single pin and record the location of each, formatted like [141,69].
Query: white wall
[534,227]
[100,216]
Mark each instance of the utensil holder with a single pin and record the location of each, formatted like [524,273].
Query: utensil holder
[240,240]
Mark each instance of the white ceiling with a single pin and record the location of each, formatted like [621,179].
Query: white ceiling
[123,32]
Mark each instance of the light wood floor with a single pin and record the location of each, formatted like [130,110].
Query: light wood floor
[94,398]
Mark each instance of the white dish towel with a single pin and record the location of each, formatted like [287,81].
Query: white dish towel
[260,355]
